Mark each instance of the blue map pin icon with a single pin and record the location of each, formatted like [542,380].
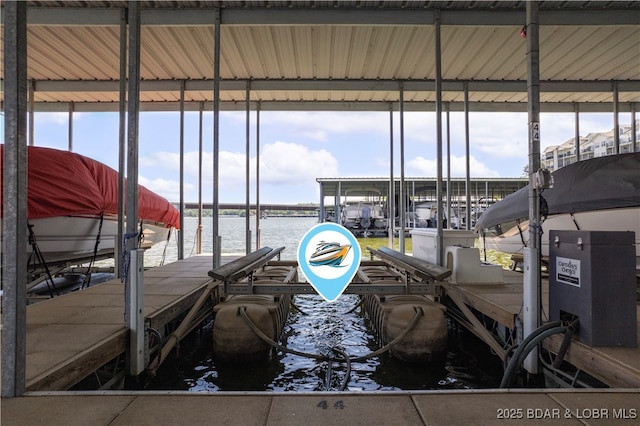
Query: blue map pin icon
[329,257]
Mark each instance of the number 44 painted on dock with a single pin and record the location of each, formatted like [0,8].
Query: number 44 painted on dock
[338,405]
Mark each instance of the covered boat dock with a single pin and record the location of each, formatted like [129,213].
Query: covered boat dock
[226,55]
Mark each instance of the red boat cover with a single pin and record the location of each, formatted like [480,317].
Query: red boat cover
[63,183]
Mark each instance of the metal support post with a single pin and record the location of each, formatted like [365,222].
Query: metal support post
[467,187]
[577,137]
[532,284]
[634,130]
[616,123]
[217,258]
[403,206]
[199,230]
[448,167]
[322,217]
[391,202]
[70,129]
[32,108]
[440,238]
[258,176]
[247,219]
[181,231]
[337,205]
[14,222]
[122,147]
[136,307]
[133,107]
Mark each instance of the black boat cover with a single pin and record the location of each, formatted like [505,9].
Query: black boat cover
[601,183]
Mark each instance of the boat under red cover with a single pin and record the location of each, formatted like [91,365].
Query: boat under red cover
[68,195]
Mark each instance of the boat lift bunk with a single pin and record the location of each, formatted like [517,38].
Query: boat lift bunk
[395,273]
[400,293]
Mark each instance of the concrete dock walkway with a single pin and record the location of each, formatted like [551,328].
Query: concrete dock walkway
[475,407]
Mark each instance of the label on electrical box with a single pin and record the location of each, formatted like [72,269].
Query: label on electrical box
[568,271]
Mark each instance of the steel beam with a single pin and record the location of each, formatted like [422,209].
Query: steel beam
[379,106]
[133,116]
[97,16]
[14,222]
[258,176]
[402,196]
[392,186]
[32,108]
[247,158]
[382,288]
[438,90]
[216,140]
[532,283]
[70,128]
[181,206]
[346,85]
[634,130]
[467,184]
[122,147]
[199,230]
[616,124]
[577,132]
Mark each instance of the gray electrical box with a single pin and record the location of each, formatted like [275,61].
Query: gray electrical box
[592,277]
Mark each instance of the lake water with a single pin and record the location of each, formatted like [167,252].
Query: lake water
[274,232]
[314,326]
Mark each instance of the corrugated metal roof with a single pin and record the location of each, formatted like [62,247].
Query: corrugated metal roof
[326,57]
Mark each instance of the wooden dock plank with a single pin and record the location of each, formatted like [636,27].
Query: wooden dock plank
[622,363]
[451,407]
[74,367]
[615,366]
[70,336]
[56,354]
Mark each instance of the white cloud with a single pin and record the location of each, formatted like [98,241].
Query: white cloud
[320,125]
[383,163]
[283,162]
[168,160]
[280,163]
[501,135]
[54,117]
[167,188]
[425,167]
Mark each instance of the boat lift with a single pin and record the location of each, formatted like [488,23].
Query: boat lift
[395,273]
[262,272]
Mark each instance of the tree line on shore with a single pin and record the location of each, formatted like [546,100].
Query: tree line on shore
[313,211]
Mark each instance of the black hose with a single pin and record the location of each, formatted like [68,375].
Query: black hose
[327,379]
[531,342]
[565,344]
[297,308]
[347,376]
[399,337]
[514,362]
[272,343]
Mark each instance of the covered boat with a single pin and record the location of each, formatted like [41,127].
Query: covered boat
[72,208]
[600,194]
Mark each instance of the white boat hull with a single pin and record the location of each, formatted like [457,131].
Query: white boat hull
[511,240]
[64,239]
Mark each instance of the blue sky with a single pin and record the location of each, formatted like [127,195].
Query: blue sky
[297,147]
